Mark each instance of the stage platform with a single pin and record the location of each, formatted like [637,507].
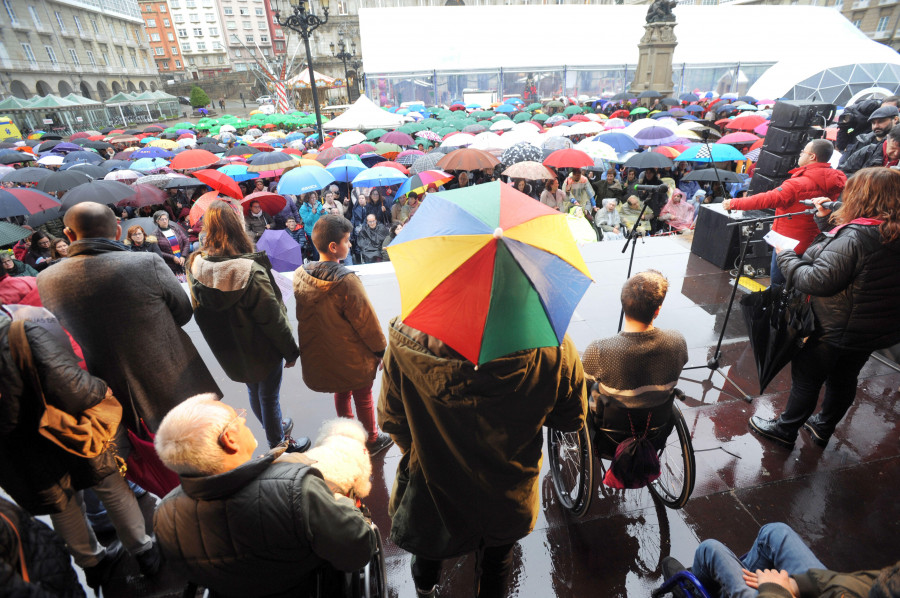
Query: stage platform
[842,500]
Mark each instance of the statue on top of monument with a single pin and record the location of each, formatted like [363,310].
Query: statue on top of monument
[660,11]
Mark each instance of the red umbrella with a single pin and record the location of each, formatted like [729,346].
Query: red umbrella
[96,137]
[21,201]
[738,138]
[747,122]
[271,203]
[580,118]
[667,151]
[78,135]
[362,148]
[265,147]
[330,154]
[569,158]
[292,151]
[457,107]
[145,195]
[195,158]
[268,126]
[185,136]
[757,144]
[469,159]
[326,145]
[722,122]
[219,181]
[397,137]
[396,165]
[200,206]
[620,114]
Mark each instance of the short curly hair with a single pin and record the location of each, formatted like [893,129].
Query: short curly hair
[643,294]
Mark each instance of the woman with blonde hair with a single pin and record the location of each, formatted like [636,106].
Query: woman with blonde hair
[851,273]
[239,310]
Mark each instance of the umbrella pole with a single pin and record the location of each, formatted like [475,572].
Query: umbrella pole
[713,363]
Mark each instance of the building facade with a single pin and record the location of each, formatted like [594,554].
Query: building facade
[201,38]
[94,48]
[160,30]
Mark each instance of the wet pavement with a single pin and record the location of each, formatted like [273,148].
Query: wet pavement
[842,500]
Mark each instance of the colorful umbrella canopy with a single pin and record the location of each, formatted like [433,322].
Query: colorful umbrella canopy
[529,170]
[346,169]
[284,253]
[195,158]
[220,181]
[238,172]
[144,195]
[267,161]
[739,137]
[489,271]
[379,176]
[304,179]
[569,158]
[19,202]
[418,183]
[745,123]
[200,206]
[398,138]
[717,152]
[467,159]
[270,203]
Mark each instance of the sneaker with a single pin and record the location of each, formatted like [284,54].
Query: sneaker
[298,445]
[379,444]
[287,426]
[100,574]
[150,560]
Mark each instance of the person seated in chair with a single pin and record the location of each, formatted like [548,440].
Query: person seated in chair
[637,368]
[245,526]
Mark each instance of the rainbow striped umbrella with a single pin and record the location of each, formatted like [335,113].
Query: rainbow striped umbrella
[489,271]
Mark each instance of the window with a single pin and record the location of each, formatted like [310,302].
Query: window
[228,11]
[174,50]
[260,12]
[170,36]
[166,23]
[185,47]
[134,60]
[74,56]
[198,32]
[29,54]
[237,52]
[279,46]
[247,24]
[62,24]
[162,8]
[124,31]
[10,12]
[201,46]
[94,26]
[159,51]
[205,59]
[165,64]
[252,51]
[105,56]
[265,51]
[214,31]
[263,39]
[856,23]
[207,4]
[220,59]
[122,60]
[882,24]
[342,7]
[154,37]
[182,33]
[51,54]
[192,61]
[78,24]
[179,19]
[91,59]
[230,25]
[195,18]
[839,4]
[262,25]
[191,3]
[244,11]
[279,33]
[217,46]
[178,64]
[151,23]
[176,4]
[35,17]
[240,67]
[250,39]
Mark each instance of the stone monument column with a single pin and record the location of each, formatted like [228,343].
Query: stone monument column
[656,50]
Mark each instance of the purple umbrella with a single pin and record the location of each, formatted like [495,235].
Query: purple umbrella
[397,137]
[655,136]
[65,147]
[283,251]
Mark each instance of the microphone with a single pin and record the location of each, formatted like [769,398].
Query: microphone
[826,205]
[663,188]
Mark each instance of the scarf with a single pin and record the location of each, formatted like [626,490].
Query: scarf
[172,238]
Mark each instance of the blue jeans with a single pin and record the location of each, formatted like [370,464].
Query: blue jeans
[775,272]
[265,404]
[777,546]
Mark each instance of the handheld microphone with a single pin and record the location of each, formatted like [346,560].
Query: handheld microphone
[661,188]
[826,205]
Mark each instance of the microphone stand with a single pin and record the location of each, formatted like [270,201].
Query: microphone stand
[632,240]
[713,363]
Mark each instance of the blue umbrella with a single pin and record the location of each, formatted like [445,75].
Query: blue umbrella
[662,114]
[305,179]
[505,108]
[379,176]
[689,97]
[151,152]
[370,159]
[346,169]
[294,137]
[688,117]
[283,251]
[695,108]
[717,152]
[473,106]
[513,101]
[238,172]
[621,142]
[85,156]
[147,164]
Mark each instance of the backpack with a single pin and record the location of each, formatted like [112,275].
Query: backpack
[635,463]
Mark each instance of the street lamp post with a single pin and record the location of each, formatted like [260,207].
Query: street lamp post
[344,56]
[304,23]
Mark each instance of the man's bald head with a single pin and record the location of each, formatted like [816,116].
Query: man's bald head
[90,220]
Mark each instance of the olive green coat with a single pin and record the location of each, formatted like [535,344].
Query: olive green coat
[471,439]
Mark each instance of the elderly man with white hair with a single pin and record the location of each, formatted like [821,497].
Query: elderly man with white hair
[245,526]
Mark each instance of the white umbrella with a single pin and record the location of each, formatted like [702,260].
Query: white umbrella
[254,133]
[187,142]
[593,117]
[487,141]
[526,127]
[348,138]
[598,149]
[51,160]
[227,129]
[502,125]
[583,128]
[122,175]
[458,140]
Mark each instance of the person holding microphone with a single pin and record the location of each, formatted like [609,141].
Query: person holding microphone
[851,273]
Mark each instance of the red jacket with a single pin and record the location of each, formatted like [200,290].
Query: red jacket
[813,180]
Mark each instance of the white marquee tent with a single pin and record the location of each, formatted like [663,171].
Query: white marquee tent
[364,115]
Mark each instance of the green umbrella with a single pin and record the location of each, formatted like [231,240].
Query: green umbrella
[445,131]
[640,110]
[375,134]
[387,148]
[408,128]
[540,117]
[573,110]
[10,233]
[500,117]
[184,125]
[554,104]
[483,114]
[533,107]
[522,117]
[227,117]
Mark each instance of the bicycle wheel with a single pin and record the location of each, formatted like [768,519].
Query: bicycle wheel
[572,468]
[677,468]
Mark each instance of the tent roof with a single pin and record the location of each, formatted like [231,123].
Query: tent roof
[50,101]
[13,103]
[74,97]
[161,95]
[302,79]
[120,98]
[145,97]
[364,114]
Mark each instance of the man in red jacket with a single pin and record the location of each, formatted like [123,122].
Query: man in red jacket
[814,177]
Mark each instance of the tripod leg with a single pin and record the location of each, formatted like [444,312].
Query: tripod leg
[745,396]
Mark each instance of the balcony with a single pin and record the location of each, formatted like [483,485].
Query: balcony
[20,25]
[860,5]
[66,33]
[880,35]
[886,2]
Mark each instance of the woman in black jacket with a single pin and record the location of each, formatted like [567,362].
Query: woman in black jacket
[852,273]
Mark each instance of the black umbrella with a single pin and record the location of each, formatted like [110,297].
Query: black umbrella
[111,165]
[97,145]
[622,96]
[212,147]
[106,130]
[777,323]
[184,183]
[105,192]
[670,102]
[648,160]
[63,181]
[650,93]
[31,174]
[689,97]
[84,156]
[47,145]
[521,152]
[51,136]
[13,158]
[241,150]
[709,175]
[39,218]
[132,132]
[92,170]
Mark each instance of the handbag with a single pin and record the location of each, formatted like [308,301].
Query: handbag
[635,463]
[144,465]
[87,434]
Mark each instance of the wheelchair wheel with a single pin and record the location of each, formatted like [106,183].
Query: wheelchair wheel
[677,467]
[370,581]
[571,469]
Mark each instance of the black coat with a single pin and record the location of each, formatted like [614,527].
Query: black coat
[39,475]
[869,155]
[853,279]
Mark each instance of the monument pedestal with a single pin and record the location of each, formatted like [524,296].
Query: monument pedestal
[654,68]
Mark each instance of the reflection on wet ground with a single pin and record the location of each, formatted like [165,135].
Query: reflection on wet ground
[842,499]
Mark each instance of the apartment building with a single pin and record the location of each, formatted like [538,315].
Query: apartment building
[201,37]
[161,32]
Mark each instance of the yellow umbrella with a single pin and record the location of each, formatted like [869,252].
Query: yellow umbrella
[277,134]
[164,143]
[252,112]
[308,162]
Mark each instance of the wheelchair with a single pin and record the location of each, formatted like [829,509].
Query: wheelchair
[572,453]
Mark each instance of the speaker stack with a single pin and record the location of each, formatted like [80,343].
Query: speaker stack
[789,132]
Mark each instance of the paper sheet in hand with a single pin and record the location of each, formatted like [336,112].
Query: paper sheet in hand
[780,241]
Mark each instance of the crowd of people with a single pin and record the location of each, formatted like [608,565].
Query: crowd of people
[468,477]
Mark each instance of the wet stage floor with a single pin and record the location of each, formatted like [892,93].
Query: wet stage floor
[842,500]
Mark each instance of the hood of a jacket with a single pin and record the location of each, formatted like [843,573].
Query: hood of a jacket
[447,377]
[221,485]
[218,282]
[327,271]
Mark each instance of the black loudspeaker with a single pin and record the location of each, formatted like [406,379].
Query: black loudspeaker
[800,114]
[719,244]
[786,141]
[761,183]
[775,165]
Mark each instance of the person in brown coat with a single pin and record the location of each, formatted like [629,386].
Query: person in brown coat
[341,342]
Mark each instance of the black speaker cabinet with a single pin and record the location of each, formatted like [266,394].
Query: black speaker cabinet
[800,114]
[718,243]
[786,141]
[775,165]
[761,183]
